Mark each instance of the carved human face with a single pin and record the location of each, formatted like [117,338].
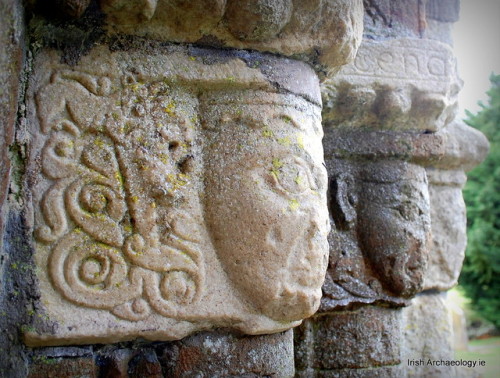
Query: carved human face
[394,226]
[266,205]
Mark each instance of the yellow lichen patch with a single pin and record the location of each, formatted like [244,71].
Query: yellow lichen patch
[135,87]
[192,58]
[126,128]
[194,119]
[275,172]
[119,178]
[266,132]
[285,141]
[293,204]
[134,198]
[177,180]
[298,180]
[300,140]
[170,108]
[277,165]
[163,158]
[182,179]
[98,142]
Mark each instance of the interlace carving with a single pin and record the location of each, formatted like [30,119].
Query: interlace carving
[117,216]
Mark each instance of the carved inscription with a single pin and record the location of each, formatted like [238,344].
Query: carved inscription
[407,61]
[115,213]
[402,84]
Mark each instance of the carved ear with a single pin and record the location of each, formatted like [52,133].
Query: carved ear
[343,201]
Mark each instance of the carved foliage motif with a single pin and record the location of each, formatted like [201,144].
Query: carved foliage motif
[114,212]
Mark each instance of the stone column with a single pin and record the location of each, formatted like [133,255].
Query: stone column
[171,147]
[380,208]
[388,120]
[428,332]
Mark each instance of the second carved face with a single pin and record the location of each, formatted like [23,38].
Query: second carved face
[394,226]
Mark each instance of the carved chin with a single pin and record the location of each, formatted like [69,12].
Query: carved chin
[293,305]
[300,294]
[407,270]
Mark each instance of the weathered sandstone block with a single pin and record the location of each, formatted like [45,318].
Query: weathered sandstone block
[323,33]
[164,189]
[427,335]
[465,148]
[367,337]
[221,354]
[380,215]
[399,84]
[11,59]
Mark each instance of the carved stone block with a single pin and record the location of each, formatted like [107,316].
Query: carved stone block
[427,335]
[464,148]
[324,32]
[401,84]
[368,337]
[380,215]
[164,190]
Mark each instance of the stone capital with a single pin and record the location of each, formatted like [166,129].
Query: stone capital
[324,33]
[165,187]
[400,84]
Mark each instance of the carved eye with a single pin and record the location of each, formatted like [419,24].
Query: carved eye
[291,176]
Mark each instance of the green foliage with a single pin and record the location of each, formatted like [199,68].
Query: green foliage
[480,276]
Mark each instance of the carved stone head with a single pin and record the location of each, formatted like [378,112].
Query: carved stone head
[381,239]
[266,199]
[394,224]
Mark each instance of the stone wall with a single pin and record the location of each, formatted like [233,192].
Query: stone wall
[179,177]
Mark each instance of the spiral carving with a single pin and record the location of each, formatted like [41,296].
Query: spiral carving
[91,273]
[97,209]
[103,228]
